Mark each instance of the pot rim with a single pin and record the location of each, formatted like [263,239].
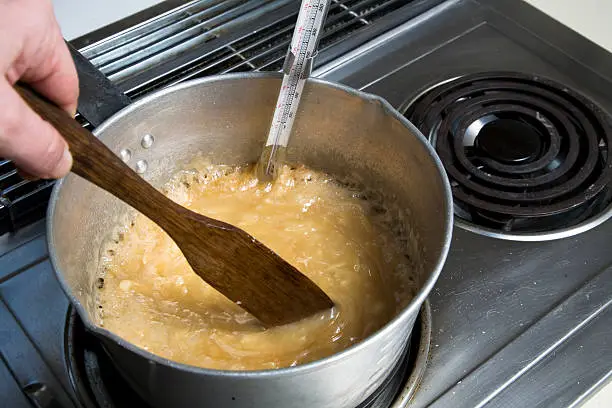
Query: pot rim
[412,308]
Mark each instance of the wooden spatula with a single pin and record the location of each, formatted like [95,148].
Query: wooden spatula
[228,258]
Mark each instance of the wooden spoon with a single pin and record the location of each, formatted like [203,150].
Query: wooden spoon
[228,258]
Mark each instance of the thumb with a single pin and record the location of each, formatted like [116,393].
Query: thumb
[32,144]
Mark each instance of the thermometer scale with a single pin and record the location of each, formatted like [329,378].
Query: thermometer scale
[296,69]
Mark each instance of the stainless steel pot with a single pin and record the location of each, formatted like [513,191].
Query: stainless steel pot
[338,130]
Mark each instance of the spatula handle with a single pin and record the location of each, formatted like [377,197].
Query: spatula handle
[96,163]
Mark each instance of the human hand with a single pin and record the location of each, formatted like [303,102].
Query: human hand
[33,51]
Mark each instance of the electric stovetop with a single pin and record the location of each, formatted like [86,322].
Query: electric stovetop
[519,108]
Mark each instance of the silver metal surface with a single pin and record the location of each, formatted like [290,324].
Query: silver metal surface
[541,341]
[125,154]
[372,145]
[411,385]
[141,166]
[343,65]
[560,233]
[515,323]
[175,33]
[207,37]
[147,141]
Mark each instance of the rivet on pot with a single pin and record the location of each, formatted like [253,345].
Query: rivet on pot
[141,166]
[147,141]
[126,155]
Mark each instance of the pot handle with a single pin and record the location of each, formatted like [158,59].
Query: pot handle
[99,98]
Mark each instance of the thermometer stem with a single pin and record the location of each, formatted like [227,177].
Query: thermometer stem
[296,69]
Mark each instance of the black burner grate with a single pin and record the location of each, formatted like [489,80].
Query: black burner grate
[523,154]
[260,50]
[21,201]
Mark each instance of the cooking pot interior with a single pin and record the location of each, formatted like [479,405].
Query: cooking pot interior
[227,119]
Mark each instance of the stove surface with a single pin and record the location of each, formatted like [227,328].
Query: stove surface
[514,322]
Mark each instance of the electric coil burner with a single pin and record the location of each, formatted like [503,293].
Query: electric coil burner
[525,155]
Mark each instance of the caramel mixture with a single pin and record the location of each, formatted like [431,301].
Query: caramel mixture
[343,242]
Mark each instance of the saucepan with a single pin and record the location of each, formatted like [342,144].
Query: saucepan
[339,130]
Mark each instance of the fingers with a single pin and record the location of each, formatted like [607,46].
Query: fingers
[40,57]
[34,52]
[33,144]
[56,78]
